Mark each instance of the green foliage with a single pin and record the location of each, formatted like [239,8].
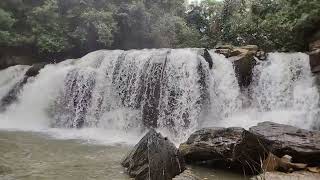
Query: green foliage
[282,25]
[6,23]
[76,27]
[73,26]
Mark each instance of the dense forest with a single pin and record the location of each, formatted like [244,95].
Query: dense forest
[72,28]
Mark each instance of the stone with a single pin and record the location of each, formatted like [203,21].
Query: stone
[11,97]
[186,175]
[274,163]
[315,45]
[315,61]
[232,148]
[35,69]
[298,175]
[302,145]
[243,59]
[154,157]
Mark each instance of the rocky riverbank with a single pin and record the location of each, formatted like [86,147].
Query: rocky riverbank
[267,147]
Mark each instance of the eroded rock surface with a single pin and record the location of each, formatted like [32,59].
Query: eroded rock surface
[154,157]
[242,59]
[233,148]
[302,145]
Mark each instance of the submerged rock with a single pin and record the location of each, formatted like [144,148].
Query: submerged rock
[154,157]
[233,148]
[302,145]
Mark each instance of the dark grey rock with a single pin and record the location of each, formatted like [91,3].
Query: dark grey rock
[233,148]
[154,158]
[302,145]
[35,69]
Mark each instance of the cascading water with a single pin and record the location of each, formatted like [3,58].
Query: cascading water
[11,77]
[283,90]
[119,93]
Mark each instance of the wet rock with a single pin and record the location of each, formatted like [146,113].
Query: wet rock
[35,69]
[208,58]
[242,59]
[274,163]
[154,157]
[302,145]
[315,45]
[12,60]
[233,148]
[12,94]
[187,175]
[314,54]
[315,61]
[299,175]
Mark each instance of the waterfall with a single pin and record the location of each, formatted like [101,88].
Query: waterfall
[116,93]
[11,77]
[283,91]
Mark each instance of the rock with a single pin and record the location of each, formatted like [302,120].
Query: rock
[302,145]
[315,45]
[208,58]
[261,55]
[9,98]
[314,169]
[274,163]
[154,157]
[242,59]
[211,143]
[12,60]
[186,175]
[299,175]
[233,148]
[35,69]
[315,61]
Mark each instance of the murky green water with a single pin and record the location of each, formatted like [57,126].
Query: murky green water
[35,156]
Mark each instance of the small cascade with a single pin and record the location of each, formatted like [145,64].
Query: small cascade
[285,83]
[11,80]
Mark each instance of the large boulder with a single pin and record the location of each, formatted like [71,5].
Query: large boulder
[154,157]
[233,148]
[302,145]
[243,59]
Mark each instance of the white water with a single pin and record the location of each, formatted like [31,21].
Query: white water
[10,77]
[111,93]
